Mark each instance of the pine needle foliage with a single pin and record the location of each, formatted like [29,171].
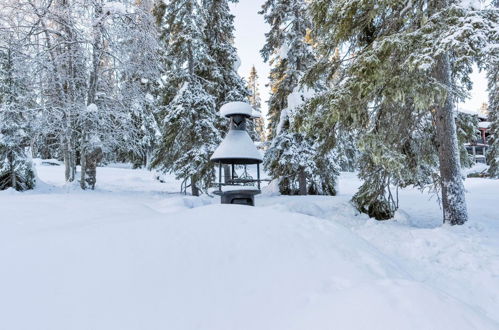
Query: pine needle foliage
[386,85]
[16,170]
[493,88]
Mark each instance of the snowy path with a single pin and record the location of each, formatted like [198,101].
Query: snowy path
[136,255]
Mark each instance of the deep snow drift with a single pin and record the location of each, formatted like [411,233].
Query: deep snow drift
[134,254]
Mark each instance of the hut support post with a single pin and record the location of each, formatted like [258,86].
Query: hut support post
[258,175]
[220,176]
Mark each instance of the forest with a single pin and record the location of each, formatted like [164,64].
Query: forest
[367,86]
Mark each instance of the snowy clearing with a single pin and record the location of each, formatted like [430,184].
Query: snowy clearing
[134,254]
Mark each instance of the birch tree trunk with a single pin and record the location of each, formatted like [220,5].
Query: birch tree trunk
[91,96]
[83,164]
[65,153]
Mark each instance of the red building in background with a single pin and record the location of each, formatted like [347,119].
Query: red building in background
[478,148]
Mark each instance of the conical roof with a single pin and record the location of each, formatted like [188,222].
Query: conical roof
[237,148]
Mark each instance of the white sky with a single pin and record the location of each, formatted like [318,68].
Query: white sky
[250,38]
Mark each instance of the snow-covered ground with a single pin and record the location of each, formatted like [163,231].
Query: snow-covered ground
[135,254]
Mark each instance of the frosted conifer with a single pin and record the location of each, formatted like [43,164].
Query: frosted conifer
[190,122]
[293,156]
[493,88]
[401,60]
[15,167]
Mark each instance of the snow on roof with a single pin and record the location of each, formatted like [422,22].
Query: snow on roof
[236,108]
[484,124]
[237,145]
[473,113]
[468,111]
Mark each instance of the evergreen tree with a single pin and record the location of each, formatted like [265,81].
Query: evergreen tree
[301,166]
[226,84]
[493,88]
[288,52]
[189,125]
[15,167]
[256,103]
[293,156]
[466,125]
[400,64]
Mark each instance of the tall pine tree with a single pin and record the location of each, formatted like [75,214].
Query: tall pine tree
[190,132]
[493,88]
[293,157]
[256,103]
[226,84]
[400,64]
[15,167]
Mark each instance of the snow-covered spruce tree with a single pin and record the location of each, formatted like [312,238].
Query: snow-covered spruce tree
[226,84]
[303,169]
[493,88]
[414,59]
[256,102]
[15,167]
[289,52]
[466,125]
[189,125]
[493,152]
[402,158]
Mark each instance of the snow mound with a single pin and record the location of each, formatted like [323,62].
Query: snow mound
[212,267]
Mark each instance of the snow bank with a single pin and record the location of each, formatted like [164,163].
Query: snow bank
[134,255]
[475,169]
[206,268]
